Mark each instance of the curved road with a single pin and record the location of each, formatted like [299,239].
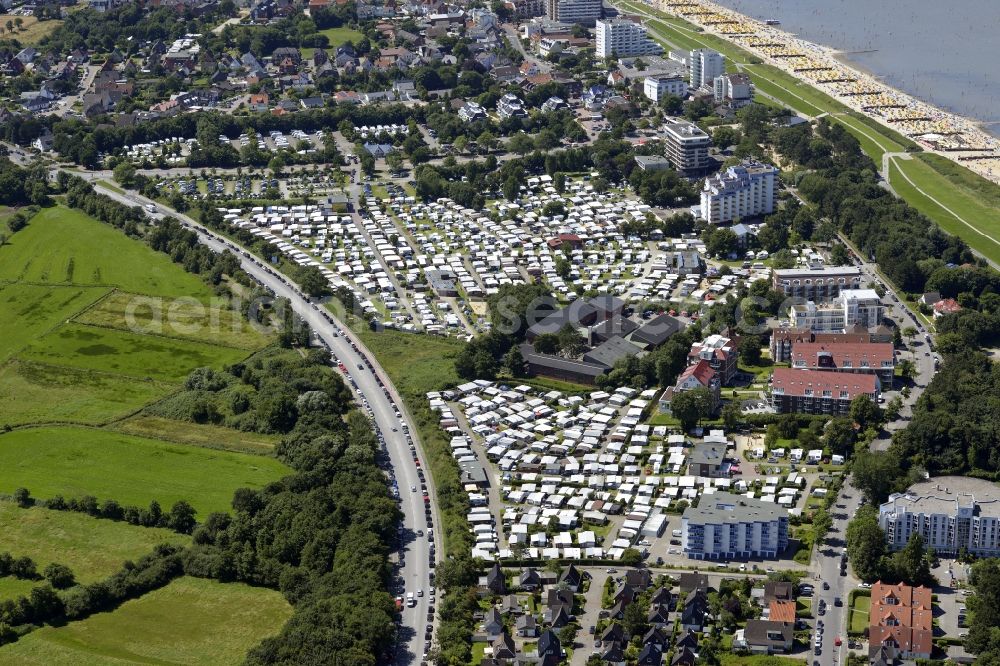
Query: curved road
[383,403]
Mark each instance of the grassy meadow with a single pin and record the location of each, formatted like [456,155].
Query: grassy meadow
[30,310]
[92,547]
[33,392]
[197,434]
[73,462]
[185,319]
[65,246]
[190,621]
[124,353]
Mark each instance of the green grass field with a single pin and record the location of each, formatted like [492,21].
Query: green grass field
[132,470]
[12,588]
[65,246]
[190,621]
[859,614]
[969,208]
[986,191]
[109,350]
[33,31]
[415,363]
[341,35]
[29,310]
[40,393]
[729,659]
[93,548]
[210,436]
[187,319]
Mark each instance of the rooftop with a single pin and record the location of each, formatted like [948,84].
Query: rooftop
[945,495]
[796,382]
[726,508]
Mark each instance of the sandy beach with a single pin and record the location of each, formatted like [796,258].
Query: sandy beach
[953,136]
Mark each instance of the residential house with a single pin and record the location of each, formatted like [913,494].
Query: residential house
[493,624]
[699,375]
[504,648]
[529,580]
[694,610]
[721,354]
[687,640]
[259,102]
[549,649]
[526,626]
[768,637]
[683,657]
[901,621]
[571,578]
[639,579]
[496,582]
[658,616]
[778,589]
[650,655]
[658,636]
[781,610]
[690,582]
[709,459]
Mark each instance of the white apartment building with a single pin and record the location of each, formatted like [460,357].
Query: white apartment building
[658,87]
[510,106]
[472,111]
[584,12]
[951,513]
[736,90]
[621,38]
[850,308]
[745,190]
[726,526]
[687,147]
[704,66]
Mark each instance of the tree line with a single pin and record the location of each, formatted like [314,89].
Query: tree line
[321,535]
[82,141]
[45,605]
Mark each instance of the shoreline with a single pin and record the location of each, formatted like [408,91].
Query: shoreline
[828,70]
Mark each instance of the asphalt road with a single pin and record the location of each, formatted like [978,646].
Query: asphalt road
[920,349]
[826,564]
[382,400]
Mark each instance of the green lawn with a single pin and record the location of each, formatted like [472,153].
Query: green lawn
[111,186]
[12,588]
[132,470]
[121,352]
[985,190]
[29,310]
[859,614]
[758,660]
[187,319]
[548,384]
[341,35]
[40,393]
[65,246]
[968,205]
[93,548]
[198,434]
[416,363]
[478,652]
[190,621]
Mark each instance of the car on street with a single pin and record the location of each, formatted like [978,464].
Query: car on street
[413,489]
